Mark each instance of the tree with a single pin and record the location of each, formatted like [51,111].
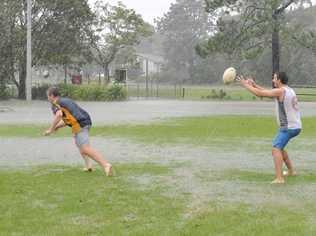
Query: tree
[116,28]
[64,40]
[246,28]
[185,25]
[7,8]
[59,33]
[306,39]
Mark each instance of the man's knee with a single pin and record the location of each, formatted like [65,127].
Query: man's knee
[276,152]
[82,152]
[84,149]
[285,155]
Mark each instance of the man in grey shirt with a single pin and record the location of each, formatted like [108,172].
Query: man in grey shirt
[288,118]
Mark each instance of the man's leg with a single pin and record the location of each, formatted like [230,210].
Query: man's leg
[87,150]
[291,134]
[278,161]
[288,163]
[87,162]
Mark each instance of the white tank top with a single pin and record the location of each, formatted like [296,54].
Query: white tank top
[288,115]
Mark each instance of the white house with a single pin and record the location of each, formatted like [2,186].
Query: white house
[149,62]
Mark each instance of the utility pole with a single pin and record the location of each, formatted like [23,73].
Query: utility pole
[28,87]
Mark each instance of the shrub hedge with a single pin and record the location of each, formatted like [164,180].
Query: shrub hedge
[84,92]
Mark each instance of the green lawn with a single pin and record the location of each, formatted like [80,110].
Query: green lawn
[192,92]
[61,200]
[195,92]
[242,220]
[166,199]
[197,130]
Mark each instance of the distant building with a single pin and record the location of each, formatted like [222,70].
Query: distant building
[154,62]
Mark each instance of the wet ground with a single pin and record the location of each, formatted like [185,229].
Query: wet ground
[205,172]
[139,111]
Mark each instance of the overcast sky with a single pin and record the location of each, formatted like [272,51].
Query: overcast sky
[149,9]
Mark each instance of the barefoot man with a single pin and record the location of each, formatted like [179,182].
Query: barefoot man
[288,117]
[68,113]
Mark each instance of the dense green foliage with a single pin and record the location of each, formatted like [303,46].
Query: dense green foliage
[84,92]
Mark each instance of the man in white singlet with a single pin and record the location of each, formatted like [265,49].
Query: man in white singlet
[288,118]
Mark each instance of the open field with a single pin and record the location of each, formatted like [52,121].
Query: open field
[208,93]
[141,111]
[205,175]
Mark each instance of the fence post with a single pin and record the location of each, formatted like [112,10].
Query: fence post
[175,90]
[147,77]
[151,87]
[183,92]
[157,88]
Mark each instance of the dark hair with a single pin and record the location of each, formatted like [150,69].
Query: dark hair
[53,91]
[282,77]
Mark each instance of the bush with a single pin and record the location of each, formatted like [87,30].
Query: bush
[4,93]
[116,93]
[39,93]
[84,92]
[221,94]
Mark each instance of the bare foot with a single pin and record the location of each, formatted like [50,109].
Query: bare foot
[85,169]
[289,173]
[278,181]
[108,170]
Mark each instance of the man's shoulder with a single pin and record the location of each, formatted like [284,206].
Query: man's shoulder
[280,90]
[290,88]
[63,101]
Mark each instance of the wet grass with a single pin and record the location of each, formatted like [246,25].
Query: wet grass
[147,199]
[304,177]
[198,130]
[232,93]
[62,200]
[187,92]
[243,220]
[59,200]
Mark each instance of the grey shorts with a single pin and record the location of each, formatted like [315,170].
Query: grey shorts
[82,137]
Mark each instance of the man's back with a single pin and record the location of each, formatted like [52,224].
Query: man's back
[288,111]
[69,106]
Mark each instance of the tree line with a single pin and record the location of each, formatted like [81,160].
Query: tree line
[64,32]
[203,37]
[197,38]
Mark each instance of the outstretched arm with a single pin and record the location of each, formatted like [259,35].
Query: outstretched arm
[252,82]
[261,92]
[60,125]
[255,85]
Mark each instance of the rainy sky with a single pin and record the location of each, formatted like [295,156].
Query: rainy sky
[149,9]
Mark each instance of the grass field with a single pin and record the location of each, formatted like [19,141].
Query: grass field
[192,92]
[225,193]
[207,92]
[197,130]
